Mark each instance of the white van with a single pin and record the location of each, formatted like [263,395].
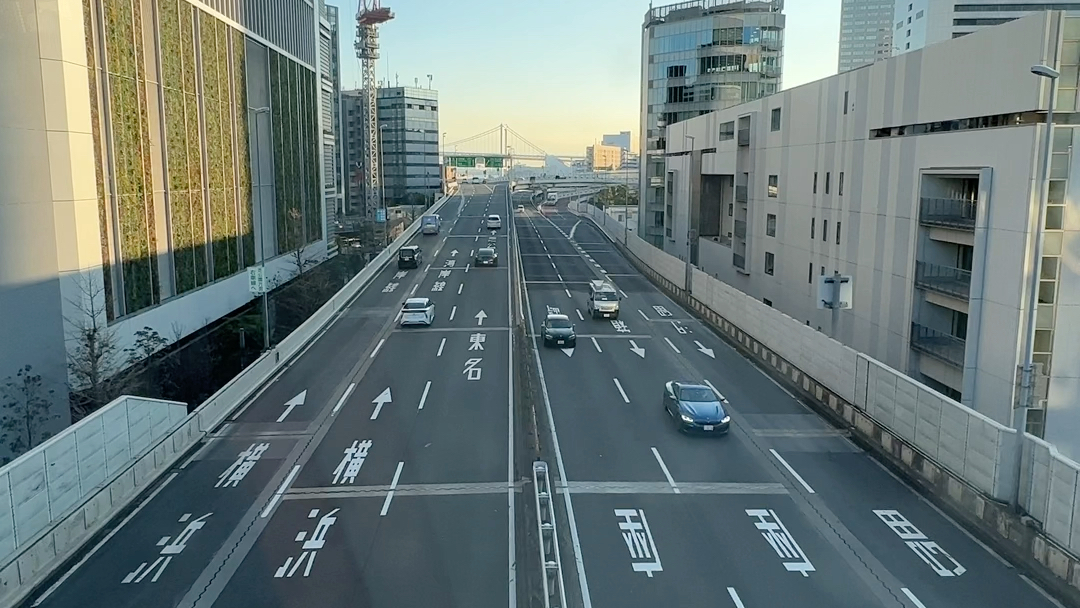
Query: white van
[603,300]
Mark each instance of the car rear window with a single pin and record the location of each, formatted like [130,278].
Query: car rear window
[697,394]
[415,305]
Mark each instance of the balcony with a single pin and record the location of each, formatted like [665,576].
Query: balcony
[947,212]
[943,279]
[742,194]
[739,261]
[945,347]
[744,137]
[740,229]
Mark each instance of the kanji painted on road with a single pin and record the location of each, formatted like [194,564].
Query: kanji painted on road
[168,550]
[350,464]
[239,469]
[311,545]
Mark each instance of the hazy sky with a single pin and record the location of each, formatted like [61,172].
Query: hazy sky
[559,72]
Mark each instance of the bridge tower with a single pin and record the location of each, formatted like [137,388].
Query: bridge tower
[368,20]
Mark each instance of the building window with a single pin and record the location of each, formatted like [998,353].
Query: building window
[774,186]
[837,233]
[770,261]
[909,7]
[908,34]
[919,15]
[828,176]
[815,182]
[727,131]
[812,224]
[907,45]
[810,277]
[676,71]
[825,230]
[770,225]
[775,125]
[840,185]
[845,102]
[766,301]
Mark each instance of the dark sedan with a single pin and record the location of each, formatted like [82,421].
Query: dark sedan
[486,256]
[557,330]
[696,408]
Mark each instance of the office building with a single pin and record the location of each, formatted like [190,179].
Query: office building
[866,32]
[330,81]
[352,154]
[409,127]
[619,140]
[919,187]
[599,157]
[159,155]
[697,57]
[918,23]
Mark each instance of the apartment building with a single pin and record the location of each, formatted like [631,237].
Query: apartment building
[917,23]
[599,157]
[699,56]
[924,189]
[866,32]
[159,155]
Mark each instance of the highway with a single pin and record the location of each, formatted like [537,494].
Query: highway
[785,510]
[383,467]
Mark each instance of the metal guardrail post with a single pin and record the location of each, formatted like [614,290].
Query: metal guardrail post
[554,592]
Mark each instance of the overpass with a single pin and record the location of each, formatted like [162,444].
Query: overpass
[361,463]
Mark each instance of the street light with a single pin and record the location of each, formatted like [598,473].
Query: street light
[262,226]
[689,229]
[1027,370]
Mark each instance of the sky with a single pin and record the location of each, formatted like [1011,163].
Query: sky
[561,73]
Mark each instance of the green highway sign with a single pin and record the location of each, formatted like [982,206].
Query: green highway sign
[493,162]
[462,161]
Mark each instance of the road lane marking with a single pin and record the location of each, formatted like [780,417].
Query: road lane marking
[441,345]
[341,401]
[428,267]
[578,310]
[667,473]
[595,343]
[467,267]
[390,494]
[911,596]
[623,294]
[567,293]
[414,288]
[735,597]
[281,490]
[673,347]
[453,311]
[423,398]
[643,315]
[459,288]
[377,347]
[792,471]
[618,385]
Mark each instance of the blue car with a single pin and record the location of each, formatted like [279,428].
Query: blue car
[696,408]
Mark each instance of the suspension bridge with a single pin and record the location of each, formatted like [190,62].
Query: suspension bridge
[494,148]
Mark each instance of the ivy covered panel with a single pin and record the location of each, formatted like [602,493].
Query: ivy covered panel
[314,200]
[94,77]
[243,159]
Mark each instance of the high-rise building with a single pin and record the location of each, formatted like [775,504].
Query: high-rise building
[928,202]
[330,83]
[160,154]
[620,140]
[866,32]
[697,57]
[918,23]
[599,157]
[353,103]
[409,128]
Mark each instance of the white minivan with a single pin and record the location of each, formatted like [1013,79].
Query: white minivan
[494,222]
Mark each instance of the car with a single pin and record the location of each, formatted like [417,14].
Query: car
[557,330]
[494,222]
[418,311]
[486,256]
[410,256]
[521,208]
[474,180]
[696,408]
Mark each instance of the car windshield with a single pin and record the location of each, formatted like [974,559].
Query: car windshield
[486,253]
[559,323]
[405,254]
[697,394]
[493,218]
[415,305]
[606,296]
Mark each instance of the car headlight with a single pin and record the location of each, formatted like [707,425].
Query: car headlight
[725,419]
[686,418]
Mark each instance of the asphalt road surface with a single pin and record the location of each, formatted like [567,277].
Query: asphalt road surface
[378,469]
[783,511]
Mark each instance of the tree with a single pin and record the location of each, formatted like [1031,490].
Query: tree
[26,413]
[93,349]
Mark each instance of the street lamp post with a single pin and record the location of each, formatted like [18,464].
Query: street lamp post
[1027,371]
[262,226]
[689,229]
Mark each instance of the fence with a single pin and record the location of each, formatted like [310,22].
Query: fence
[57,496]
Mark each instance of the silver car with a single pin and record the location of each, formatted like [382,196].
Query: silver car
[418,311]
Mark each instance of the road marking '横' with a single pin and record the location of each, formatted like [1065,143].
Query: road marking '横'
[667,473]
[618,385]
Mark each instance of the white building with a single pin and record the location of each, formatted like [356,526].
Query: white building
[922,186]
[917,23]
[866,32]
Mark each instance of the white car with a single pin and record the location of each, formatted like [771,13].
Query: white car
[521,208]
[494,222]
[418,311]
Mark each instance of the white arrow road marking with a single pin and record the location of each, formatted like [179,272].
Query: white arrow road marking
[441,345]
[291,404]
[677,351]
[423,398]
[454,253]
[383,398]
[707,351]
[597,345]
[480,316]
[569,351]
[637,350]
[621,391]
[341,401]
[453,311]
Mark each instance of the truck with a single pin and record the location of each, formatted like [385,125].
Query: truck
[603,300]
[430,224]
[552,198]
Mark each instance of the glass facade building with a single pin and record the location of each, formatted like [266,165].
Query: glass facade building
[698,57]
[866,32]
[409,125]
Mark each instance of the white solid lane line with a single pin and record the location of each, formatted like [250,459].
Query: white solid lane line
[667,473]
[596,344]
[441,345]
[414,288]
[735,597]
[673,347]
[341,401]
[377,347]
[792,471]
[390,494]
[428,268]
[453,311]
[911,596]
[280,491]
[618,385]
[423,398]
[643,315]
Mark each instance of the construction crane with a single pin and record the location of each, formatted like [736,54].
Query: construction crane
[368,20]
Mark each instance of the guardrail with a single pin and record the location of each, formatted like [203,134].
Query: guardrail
[550,560]
[60,494]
